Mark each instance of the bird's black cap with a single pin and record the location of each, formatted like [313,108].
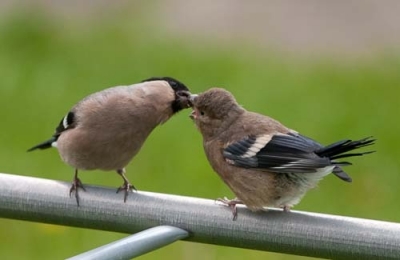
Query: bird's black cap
[176,85]
[182,94]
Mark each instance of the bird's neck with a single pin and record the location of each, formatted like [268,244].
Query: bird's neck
[221,127]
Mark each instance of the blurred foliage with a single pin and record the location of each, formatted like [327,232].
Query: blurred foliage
[47,65]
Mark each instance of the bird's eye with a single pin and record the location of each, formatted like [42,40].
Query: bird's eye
[183,94]
[202,113]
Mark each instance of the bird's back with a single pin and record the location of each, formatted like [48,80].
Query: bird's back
[113,124]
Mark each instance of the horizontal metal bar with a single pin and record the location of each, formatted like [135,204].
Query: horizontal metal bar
[300,233]
[135,245]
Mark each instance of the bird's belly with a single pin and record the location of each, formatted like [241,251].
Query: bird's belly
[110,154]
[258,189]
[102,160]
[254,188]
[292,187]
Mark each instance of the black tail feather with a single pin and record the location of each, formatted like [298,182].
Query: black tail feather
[342,174]
[338,149]
[342,163]
[44,145]
[331,148]
[349,155]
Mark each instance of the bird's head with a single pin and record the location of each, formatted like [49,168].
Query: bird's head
[214,110]
[182,93]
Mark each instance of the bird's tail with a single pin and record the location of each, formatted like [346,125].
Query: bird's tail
[339,150]
[46,144]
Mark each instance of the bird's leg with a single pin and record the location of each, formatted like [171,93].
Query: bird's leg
[76,184]
[127,186]
[231,204]
[286,208]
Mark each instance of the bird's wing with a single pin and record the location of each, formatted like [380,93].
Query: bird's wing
[281,153]
[67,122]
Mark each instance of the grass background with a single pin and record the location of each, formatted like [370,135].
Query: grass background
[47,65]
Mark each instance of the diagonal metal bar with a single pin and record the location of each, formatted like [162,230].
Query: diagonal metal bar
[300,233]
[135,245]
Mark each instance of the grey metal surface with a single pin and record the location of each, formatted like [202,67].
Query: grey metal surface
[300,233]
[135,245]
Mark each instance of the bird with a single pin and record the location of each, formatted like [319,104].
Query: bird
[264,163]
[106,129]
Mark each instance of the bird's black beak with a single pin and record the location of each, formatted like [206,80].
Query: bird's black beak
[192,99]
[183,98]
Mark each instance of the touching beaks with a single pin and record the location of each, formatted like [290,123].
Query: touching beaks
[192,98]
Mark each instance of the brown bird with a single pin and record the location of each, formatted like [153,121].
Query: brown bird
[106,129]
[263,162]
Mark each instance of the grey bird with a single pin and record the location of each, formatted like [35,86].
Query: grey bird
[263,162]
[106,129]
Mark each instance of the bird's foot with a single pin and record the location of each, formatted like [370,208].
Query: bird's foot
[127,187]
[286,208]
[231,204]
[76,184]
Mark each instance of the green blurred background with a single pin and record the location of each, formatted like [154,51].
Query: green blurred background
[328,80]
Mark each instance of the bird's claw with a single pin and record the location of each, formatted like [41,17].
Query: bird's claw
[231,204]
[127,187]
[76,184]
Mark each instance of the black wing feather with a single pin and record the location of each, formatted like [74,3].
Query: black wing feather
[294,153]
[291,143]
[66,123]
[283,153]
[69,120]
[240,147]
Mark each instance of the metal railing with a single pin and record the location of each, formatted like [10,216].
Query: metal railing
[194,219]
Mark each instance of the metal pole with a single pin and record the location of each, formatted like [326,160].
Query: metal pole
[299,233]
[135,245]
